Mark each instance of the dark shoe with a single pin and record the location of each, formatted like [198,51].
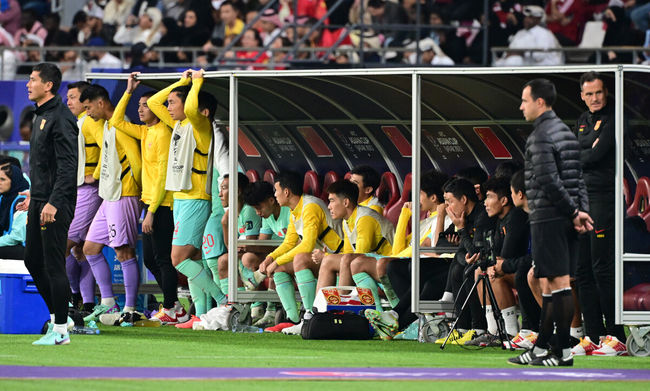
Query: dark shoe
[551,360]
[525,358]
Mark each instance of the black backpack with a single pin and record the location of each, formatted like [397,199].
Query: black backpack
[337,325]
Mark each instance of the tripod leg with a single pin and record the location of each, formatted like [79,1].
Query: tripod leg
[496,311]
[462,309]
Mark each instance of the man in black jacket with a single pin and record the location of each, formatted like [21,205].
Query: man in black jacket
[557,198]
[53,166]
[595,271]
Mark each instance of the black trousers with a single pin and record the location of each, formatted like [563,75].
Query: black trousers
[433,276]
[595,272]
[473,317]
[530,310]
[45,257]
[157,250]
[12,252]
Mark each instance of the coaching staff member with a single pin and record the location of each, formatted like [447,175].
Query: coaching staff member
[557,198]
[53,171]
[595,271]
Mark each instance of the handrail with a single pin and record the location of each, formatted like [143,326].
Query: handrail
[598,51]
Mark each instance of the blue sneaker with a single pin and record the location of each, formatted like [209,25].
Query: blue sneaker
[52,338]
[101,309]
[50,330]
[410,333]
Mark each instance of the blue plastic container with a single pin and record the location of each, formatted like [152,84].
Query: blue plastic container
[22,309]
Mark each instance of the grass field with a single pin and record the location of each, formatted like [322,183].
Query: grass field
[171,347]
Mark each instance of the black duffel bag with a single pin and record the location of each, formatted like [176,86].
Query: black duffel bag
[336,325]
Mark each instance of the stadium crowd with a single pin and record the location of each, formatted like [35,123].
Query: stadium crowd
[449,32]
[172,169]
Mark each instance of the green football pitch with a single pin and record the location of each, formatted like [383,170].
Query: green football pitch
[170,347]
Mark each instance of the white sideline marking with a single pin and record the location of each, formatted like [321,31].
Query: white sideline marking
[261,357]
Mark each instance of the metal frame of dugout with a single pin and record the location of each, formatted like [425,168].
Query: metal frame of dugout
[417,76]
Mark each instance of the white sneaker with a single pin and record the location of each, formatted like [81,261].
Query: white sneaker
[293,330]
[610,346]
[585,347]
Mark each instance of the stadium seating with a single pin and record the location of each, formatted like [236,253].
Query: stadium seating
[311,185]
[637,298]
[329,178]
[393,212]
[269,176]
[252,175]
[639,206]
[388,190]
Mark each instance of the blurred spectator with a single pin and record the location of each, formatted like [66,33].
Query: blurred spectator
[146,30]
[312,8]
[140,6]
[430,54]
[31,33]
[10,16]
[175,8]
[140,56]
[96,25]
[567,18]
[532,36]
[117,11]
[228,25]
[387,12]
[80,30]
[646,45]
[640,15]
[270,26]
[250,40]
[55,36]
[354,16]
[100,58]
[371,44]
[446,38]
[619,32]
[170,36]
[73,67]
[6,39]
[346,54]
[505,19]
[192,34]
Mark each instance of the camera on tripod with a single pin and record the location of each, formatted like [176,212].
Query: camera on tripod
[486,257]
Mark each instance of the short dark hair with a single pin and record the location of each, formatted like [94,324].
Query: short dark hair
[94,92]
[369,175]
[460,187]
[376,3]
[6,159]
[80,85]
[182,92]
[49,73]
[474,174]
[591,76]
[148,94]
[500,186]
[258,192]
[542,88]
[345,189]
[242,182]
[290,180]
[432,183]
[507,168]
[518,182]
[208,101]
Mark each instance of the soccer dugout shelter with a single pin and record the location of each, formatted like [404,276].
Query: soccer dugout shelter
[408,120]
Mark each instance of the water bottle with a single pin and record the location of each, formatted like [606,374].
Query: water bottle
[243,328]
[85,330]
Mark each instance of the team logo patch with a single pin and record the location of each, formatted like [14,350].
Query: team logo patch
[582,128]
[43,123]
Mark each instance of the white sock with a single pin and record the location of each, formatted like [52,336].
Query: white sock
[491,322]
[525,332]
[110,301]
[577,332]
[539,351]
[128,309]
[479,332]
[178,307]
[448,297]
[61,328]
[511,321]
[52,318]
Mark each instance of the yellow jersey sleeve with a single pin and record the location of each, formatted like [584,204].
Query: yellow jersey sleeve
[118,121]
[401,241]
[92,145]
[162,148]
[314,223]
[156,103]
[200,123]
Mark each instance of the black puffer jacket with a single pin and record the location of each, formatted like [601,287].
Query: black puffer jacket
[554,184]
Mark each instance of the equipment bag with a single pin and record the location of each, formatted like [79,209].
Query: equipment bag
[336,325]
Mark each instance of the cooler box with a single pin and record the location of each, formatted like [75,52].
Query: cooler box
[22,309]
[344,298]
